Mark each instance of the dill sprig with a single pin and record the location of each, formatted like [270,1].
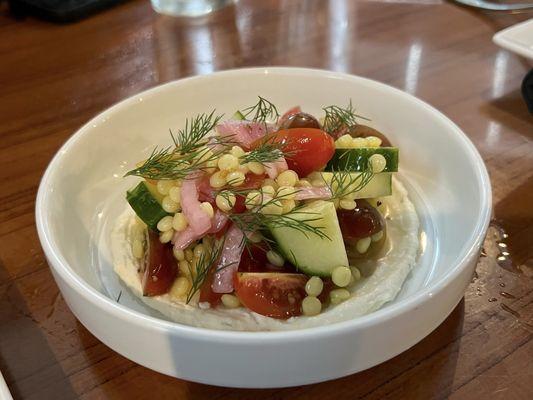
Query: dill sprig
[191,152]
[168,163]
[259,219]
[268,150]
[338,117]
[193,136]
[206,261]
[262,111]
[346,183]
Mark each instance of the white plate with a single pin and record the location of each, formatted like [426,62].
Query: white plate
[82,192]
[517,38]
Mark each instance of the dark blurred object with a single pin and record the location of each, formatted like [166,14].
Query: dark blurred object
[527,90]
[59,10]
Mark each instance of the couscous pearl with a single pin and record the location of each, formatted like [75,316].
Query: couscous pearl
[347,204]
[253,199]
[244,169]
[311,306]
[165,224]
[255,237]
[341,276]
[199,250]
[218,179]
[270,182]
[175,194]
[362,245]
[339,295]
[256,168]
[275,258]
[376,237]
[166,236]
[356,274]
[373,141]
[235,178]
[377,162]
[185,267]
[304,183]
[180,287]
[169,205]
[359,142]
[208,209]
[228,162]
[268,191]
[287,178]
[288,206]
[344,141]
[225,201]
[137,248]
[274,207]
[286,192]
[179,222]
[230,301]
[164,186]
[178,254]
[318,182]
[314,286]
[189,254]
[237,151]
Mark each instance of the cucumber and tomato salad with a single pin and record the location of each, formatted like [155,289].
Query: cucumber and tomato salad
[258,286]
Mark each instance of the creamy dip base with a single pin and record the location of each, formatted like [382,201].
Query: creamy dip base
[369,294]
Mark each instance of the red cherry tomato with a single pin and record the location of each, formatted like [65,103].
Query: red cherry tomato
[161,269]
[310,149]
[273,294]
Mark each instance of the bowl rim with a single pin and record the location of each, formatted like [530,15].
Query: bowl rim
[469,251]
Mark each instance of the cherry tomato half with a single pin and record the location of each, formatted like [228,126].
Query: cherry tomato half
[273,294]
[161,267]
[309,149]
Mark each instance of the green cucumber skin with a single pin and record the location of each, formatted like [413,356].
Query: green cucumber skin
[356,160]
[145,205]
[239,116]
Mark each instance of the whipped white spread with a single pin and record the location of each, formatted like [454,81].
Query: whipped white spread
[368,294]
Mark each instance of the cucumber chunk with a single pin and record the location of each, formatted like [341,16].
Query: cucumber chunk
[380,185]
[357,159]
[310,253]
[239,116]
[146,202]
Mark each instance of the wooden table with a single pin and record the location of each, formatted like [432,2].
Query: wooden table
[53,78]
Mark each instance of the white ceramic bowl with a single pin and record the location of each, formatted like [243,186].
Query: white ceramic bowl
[82,192]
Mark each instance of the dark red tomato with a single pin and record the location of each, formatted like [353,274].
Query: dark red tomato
[310,149]
[361,222]
[253,259]
[161,268]
[300,120]
[272,294]
[206,292]
[288,113]
[205,191]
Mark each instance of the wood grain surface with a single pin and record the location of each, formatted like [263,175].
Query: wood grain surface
[53,78]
